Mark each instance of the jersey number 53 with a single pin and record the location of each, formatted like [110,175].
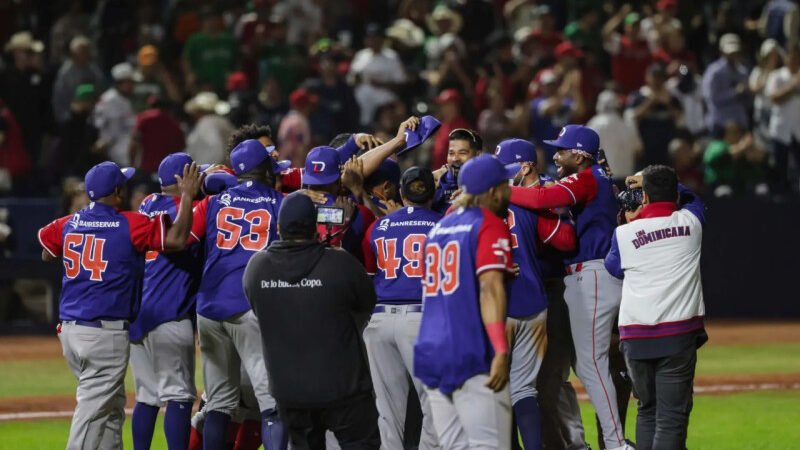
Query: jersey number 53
[253,235]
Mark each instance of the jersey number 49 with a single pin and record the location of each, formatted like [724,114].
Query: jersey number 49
[389,262]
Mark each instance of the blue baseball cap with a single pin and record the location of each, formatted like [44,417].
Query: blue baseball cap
[282,165]
[414,138]
[348,149]
[172,165]
[482,173]
[216,182]
[579,138]
[102,179]
[250,154]
[513,151]
[322,166]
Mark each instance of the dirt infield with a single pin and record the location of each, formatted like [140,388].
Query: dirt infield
[720,333]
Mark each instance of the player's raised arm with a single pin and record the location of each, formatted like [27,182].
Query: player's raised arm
[372,159]
[177,234]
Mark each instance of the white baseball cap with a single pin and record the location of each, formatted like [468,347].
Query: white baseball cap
[729,43]
[122,71]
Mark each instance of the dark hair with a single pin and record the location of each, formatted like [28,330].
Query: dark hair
[245,132]
[340,140]
[660,183]
[464,134]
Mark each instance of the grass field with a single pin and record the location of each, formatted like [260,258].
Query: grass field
[747,420]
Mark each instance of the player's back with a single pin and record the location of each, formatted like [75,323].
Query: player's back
[238,222]
[452,344]
[170,279]
[397,243]
[526,294]
[595,220]
[102,268]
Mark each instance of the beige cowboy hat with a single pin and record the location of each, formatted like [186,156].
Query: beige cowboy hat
[407,33]
[207,102]
[24,41]
[440,13]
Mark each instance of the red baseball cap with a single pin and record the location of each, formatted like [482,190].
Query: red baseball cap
[302,97]
[567,48]
[237,81]
[664,4]
[449,95]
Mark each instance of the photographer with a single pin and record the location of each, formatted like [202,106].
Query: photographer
[311,302]
[661,315]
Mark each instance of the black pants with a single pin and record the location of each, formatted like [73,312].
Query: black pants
[664,388]
[355,425]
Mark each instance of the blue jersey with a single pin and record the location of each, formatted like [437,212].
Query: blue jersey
[448,184]
[595,213]
[103,254]
[526,294]
[452,345]
[170,279]
[393,249]
[235,223]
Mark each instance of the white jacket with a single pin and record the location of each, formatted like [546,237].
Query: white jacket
[658,257]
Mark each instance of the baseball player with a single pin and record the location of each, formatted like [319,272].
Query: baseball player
[592,294]
[383,187]
[527,299]
[461,354]
[464,145]
[162,336]
[102,250]
[236,223]
[393,249]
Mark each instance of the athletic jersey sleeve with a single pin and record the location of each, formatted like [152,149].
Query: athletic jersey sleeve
[199,221]
[370,263]
[494,245]
[51,236]
[572,190]
[691,202]
[291,179]
[147,233]
[613,262]
[557,233]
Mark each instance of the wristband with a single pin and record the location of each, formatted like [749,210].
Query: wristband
[497,336]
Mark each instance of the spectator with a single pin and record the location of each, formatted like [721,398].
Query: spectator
[630,54]
[450,102]
[662,24]
[152,80]
[619,139]
[685,158]
[271,106]
[156,134]
[769,58]
[685,86]
[78,135]
[209,55]
[673,53]
[406,39]
[734,165]
[495,123]
[444,24]
[294,132]
[74,196]
[78,69]
[72,24]
[780,20]
[113,23]
[26,91]
[280,58]
[14,161]
[206,142]
[783,90]
[454,71]
[546,32]
[725,87]
[114,116]
[550,111]
[241,99]
[338,110]
[583,32]
[377,72]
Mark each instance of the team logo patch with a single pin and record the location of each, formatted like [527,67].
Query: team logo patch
[561,133]
[384,225]
[497,150]
[318,166]
[241,166]
[225,199]
[580,145]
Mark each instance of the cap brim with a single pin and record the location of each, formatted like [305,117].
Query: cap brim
[512,170]
[282,165]
[555,143]
[203,167]
[312,179]
[128,172]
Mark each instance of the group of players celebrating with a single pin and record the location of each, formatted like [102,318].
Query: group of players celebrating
[463,260]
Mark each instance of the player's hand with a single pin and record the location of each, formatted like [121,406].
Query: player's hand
[315,196]
[189,183]
[409,124]
[455,194]
[498,373]
[391,206]
[366,141]
[347,204]
[353,175]
[439,173]
[215,168]
[634,182]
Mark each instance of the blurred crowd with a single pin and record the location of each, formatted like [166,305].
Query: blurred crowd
[710,88]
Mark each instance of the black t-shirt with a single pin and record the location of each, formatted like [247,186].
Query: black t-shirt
[656,128]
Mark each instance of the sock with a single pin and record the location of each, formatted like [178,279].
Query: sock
[249,436]
[215,430]
[177,424]
[195,440]
[273,433]
[143,423]
[529,422]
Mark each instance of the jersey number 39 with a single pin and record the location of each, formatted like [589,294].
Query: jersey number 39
[441,268]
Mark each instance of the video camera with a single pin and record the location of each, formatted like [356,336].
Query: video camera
[630,199]
[330,215]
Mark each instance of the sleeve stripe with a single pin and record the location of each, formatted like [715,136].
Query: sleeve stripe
[161,222]
[39,236]
[574,200]
[555,230]
[191,233]
[487,267]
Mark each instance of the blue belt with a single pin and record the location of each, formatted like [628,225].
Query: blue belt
[115,324]
[397,309]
